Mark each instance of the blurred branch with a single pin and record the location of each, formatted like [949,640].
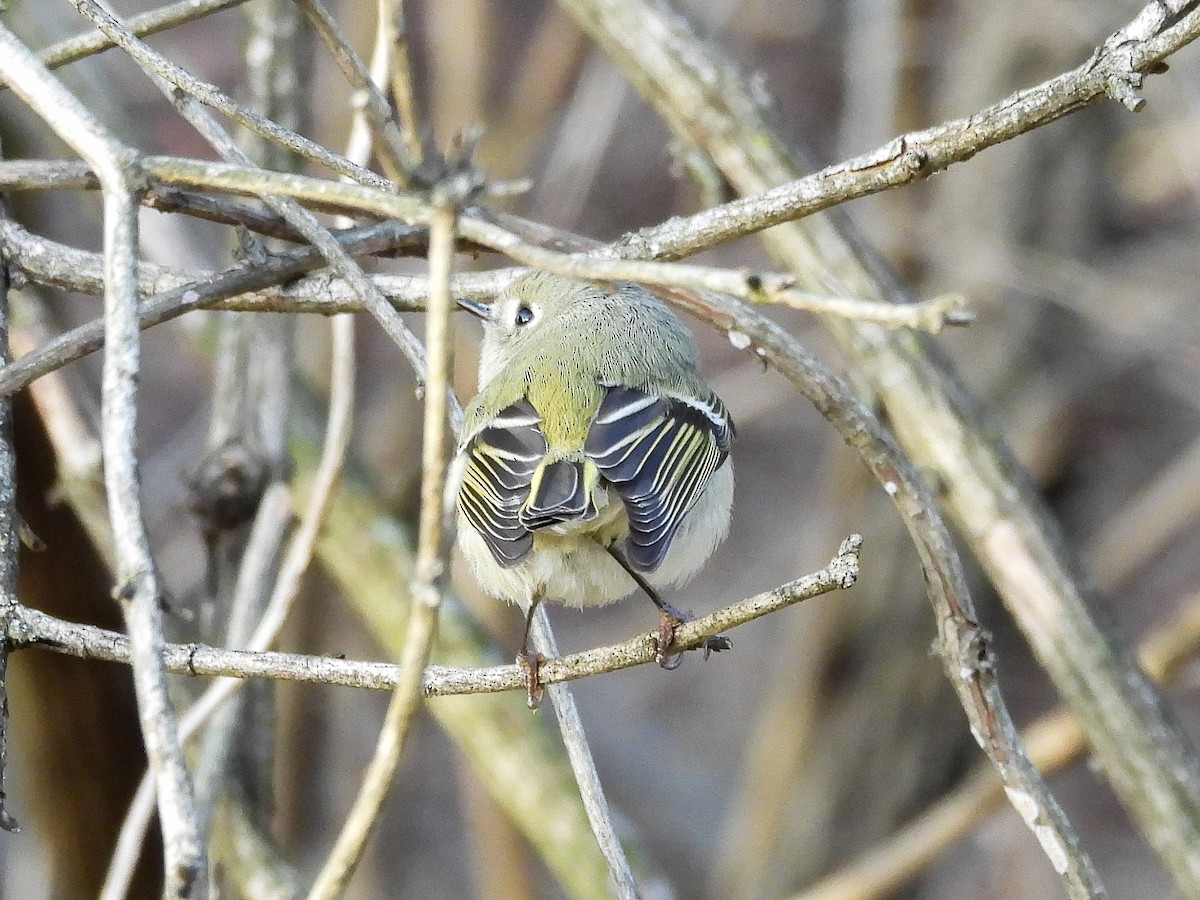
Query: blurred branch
[1116,69]
[35,630]
[393,147]
[173,80]
[10,543]
[1054,741]
[246,449]
[137,589]
[392,59]
[156,20]
[1149,762]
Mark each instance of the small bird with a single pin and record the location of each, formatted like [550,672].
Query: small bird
[595,458]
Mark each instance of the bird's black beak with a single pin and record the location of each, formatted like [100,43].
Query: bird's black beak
[474,307]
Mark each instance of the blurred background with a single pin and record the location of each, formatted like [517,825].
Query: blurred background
[758,771]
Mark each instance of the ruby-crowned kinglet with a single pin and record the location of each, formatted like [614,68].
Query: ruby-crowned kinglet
[594,458]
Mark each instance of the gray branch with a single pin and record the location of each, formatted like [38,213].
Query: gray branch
[137,587]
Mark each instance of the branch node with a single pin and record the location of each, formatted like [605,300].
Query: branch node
[125,591]
[844,566]
[916,160]
[1124,86]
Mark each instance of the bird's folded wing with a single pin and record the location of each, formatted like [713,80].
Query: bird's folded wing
[658,453]
[500,463]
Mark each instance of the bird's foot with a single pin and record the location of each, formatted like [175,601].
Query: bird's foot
[668,620]
[529,662]
[671,618]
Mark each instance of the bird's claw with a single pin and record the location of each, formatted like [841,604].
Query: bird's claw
[529,662]
[670,619]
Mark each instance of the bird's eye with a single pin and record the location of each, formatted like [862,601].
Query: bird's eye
[524,314]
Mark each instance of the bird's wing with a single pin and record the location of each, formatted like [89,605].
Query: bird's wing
[658,452]
[500,461]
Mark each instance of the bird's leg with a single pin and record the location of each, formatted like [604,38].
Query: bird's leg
[529,660]
[669,618]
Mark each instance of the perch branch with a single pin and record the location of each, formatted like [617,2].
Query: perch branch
[32,629]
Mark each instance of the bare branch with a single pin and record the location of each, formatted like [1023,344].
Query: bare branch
[570,725]
[165,72]
[137,587]
[247,280]
[1114,69]
[32,629]
[400,164]
[1149,762]
[152,22]
[10,543]
[427,586]
[304,221]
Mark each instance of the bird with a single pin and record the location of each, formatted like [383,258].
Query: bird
[594,459]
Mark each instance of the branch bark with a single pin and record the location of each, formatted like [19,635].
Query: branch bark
[137,579]
[1139,747]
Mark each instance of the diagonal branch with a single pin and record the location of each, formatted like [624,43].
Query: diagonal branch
[1141,750]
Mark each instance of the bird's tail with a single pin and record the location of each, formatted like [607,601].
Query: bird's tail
[562,491]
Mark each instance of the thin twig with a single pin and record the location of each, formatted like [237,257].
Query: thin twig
[10,543]
[163,71]
[250,282]
[1151,766]
[1054,740]
[1115,67]
[570,724]
[304,221]
[394,49]
[400,165]
[753,286]
[428,578]
[152,22]
[137,578]
[347,851]
[33,629]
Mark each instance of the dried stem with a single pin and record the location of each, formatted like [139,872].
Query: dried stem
[1150,764]
[156,20]
[10,543]
[428,578]
[137,579]
[37,630]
